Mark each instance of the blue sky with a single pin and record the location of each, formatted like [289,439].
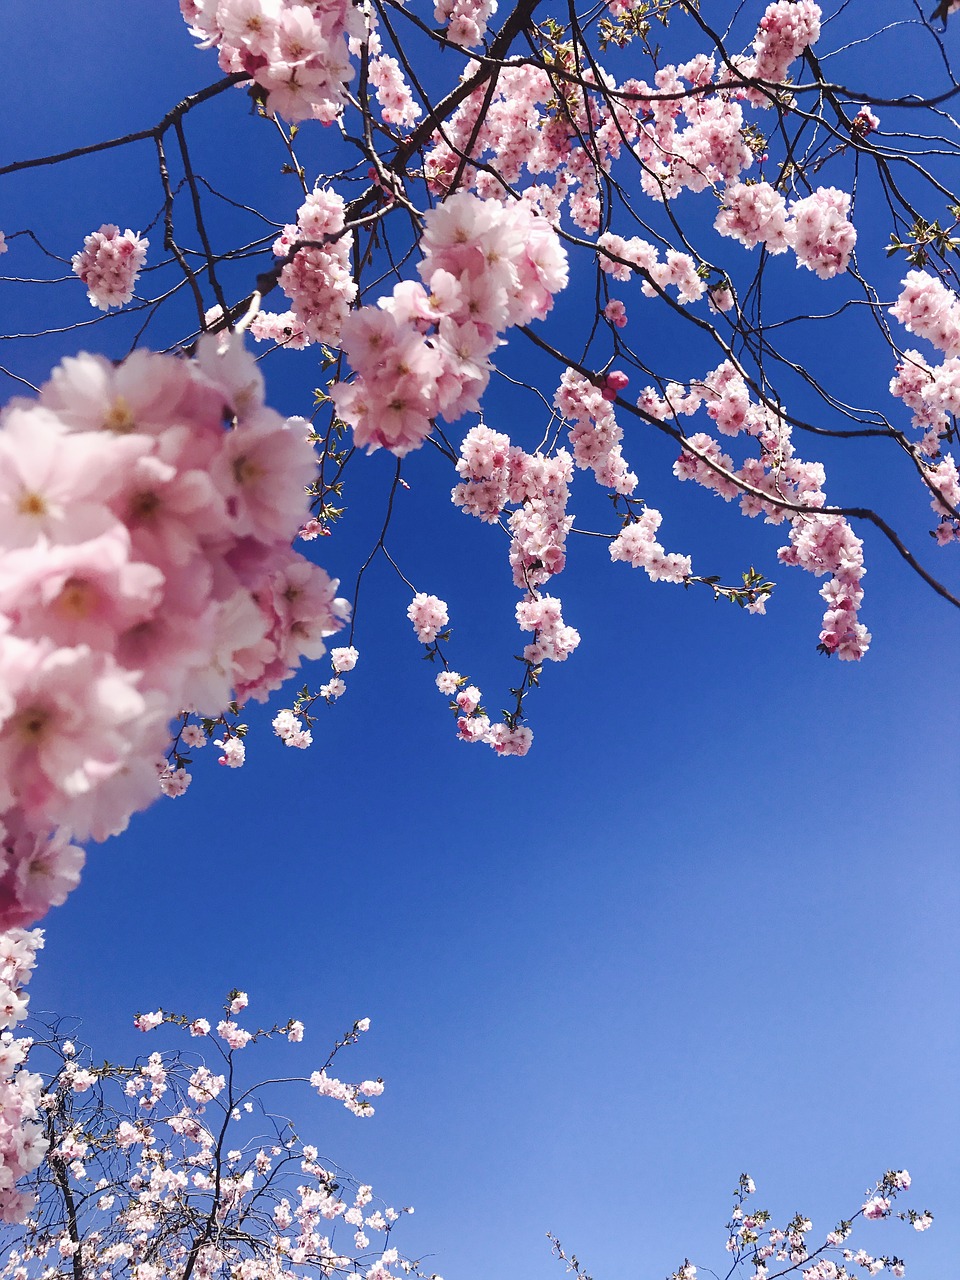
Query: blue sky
[707,926]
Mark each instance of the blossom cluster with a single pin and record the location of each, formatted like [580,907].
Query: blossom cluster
[684,137]
[284,328]
[289,729]
[507,737]
[555,640]
[929,309]
[777,485]
[293,725]
[428,615]
[295,50]
[816,228]
[145,568]
[317,278]
[425,350]
[786,29]
[637,545]
[22,1141]
[109,265]
[466,20]
[496,473]
[594,433]
[397,105]
[679,269]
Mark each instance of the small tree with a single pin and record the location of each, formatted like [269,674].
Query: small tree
[176,1166]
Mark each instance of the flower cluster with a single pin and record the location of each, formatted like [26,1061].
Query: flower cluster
[145,567]
[397,106]
[931,392]
[494,474]
[285,328]
[109,265]
[355,1097]
[295,50]
[506,737]
[22,1141]
[683,137]
[637,546]
[930,310]
[777,485]
[594,434]
[428,615]
[822,236]
[289,729]
[554,641]
[317,278]
[466,20]
[816,228]
[679,269]
[425,350]
[786,29]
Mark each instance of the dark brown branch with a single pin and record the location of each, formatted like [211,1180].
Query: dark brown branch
[141,135]
[855,513]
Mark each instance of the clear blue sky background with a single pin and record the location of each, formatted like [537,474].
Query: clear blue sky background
[707,926]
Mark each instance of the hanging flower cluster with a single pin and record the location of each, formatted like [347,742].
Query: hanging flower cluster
[295,50]
[425,350]
[146,515]
[109,265]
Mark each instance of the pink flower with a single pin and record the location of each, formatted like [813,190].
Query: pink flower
[754,214]
[72,725]
[87,593]
[263,473]
[786,29]
[174,782]
[616,313]
[510,742]
[148,1021]
[344,659]
[876,1207]
[43,867]
[613,383]
[191,735]
[234,752]
[468,699]
[235,1036]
